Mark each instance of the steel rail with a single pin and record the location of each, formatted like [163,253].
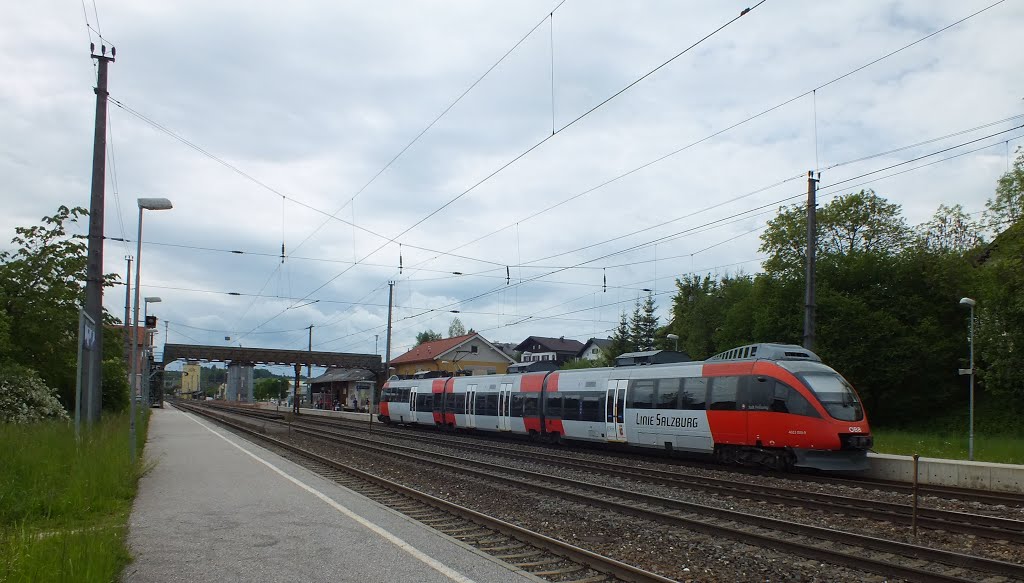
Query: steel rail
[966,523]
[861,562]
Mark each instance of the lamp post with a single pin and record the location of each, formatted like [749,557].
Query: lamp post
[144,369]
[970,371]
[674,337]
[152,204]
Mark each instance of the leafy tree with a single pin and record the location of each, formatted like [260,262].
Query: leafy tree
[1007,207]
[950,230]
[578,363]
[273,387]
[42,282]
[25,398]
[999,333]
[456,328]
[860,222]
[427,336]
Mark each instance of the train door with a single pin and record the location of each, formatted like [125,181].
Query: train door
[471,406]
[505,407]
[412,403]
[615,410]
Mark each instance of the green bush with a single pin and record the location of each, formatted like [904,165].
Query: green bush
[115,385]
[25,398]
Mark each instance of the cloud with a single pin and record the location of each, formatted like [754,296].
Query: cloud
[315,98]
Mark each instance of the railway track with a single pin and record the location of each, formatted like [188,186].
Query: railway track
[942,492]
[532,552]
[891,558]
[961,522]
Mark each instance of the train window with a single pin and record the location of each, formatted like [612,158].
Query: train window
[492,405]
[571,405]
[530,405]
[591,408]
[759,394]
[641,394]
[788,400]
[424,402]
[836,395]
[553,408]
[481,405]
[668,394]
[517,405]
[694,394]
[724,391]
[458,402]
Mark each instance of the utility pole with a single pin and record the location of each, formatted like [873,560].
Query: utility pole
[128,318]
[387,348]
[309,365]
[295,391]
[94,274]
[812,243]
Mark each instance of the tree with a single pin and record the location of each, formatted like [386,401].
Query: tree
[950,230]
[620,341]
[1007,207]
[647,325]
[860,222]
[636,333]
[273,387]
[427,336]
[456,328]
[25,398]
[41,285]
[999,335]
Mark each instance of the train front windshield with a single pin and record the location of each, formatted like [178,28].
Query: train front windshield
[836,395]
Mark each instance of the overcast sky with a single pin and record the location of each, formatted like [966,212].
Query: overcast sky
[308,101]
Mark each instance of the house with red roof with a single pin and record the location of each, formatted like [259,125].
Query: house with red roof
[467,354]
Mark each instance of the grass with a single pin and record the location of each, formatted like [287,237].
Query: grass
[1005,449]
[64,506]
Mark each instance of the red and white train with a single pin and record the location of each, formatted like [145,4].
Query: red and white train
[774,405]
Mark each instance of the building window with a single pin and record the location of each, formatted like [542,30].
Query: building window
[473,349]
[593,350]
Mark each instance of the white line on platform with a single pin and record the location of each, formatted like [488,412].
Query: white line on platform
[437,566]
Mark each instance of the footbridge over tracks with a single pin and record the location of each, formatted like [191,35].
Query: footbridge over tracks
[238,356]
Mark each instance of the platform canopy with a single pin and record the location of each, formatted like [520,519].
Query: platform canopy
[172,352]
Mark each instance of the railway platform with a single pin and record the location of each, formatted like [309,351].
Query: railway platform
[215,507]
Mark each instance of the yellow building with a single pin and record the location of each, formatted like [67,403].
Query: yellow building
[471,352]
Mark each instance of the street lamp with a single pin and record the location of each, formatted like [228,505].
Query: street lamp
[152,204]
[674,337]
[148,345]
[970,371]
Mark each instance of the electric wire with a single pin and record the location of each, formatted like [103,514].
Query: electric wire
[530,149]
[430,125]
[735,125]
[447,307]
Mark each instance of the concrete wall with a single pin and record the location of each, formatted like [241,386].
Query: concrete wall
[961,474]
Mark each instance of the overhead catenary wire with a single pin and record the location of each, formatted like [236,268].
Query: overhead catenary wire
[731,127]
[447,307]
[534,147]
[520,265]
[432,123]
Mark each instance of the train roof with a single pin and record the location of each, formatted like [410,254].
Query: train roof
[766,351]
